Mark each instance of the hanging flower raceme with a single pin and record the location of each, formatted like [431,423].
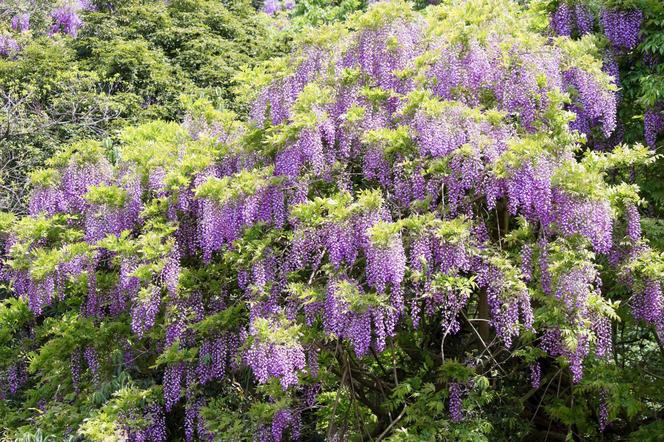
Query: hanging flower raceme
[653,124]
[561,20]
[274,352]
[622,27]
[214,358]
[386,260]
[591,219]
[64,187]
[8,46]
[111,210]
[507,297]
[16,376]
[577,296]
[569,19]
[456,404]
[21,22]
[66,20]
[596,105]
[529,190]
[271,7]
[145,309]
[361,318]
[648,304]
[153,419]
[230,204]
[284,420]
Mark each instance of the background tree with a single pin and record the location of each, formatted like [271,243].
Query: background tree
[95,68]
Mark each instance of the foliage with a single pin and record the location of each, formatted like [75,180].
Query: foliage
[127,63]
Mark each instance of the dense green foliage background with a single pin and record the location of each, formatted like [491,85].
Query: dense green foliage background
[131,62]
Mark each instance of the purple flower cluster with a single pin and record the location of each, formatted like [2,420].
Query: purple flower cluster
[66,21]
[173,377]
[456,404]
[386,266]
[21,22]
[144,312]
[194,424]
[529,191]
[554,344]
[527,262]
[221,224]
[357,326]
[285,419]
[595,105]
[591,219]
[8,46]
[92,359]
[648,305]
[154,431]
[622,27]
[509,308]
[213,358]
[271,7]
[17,376]
[562,20]
[69,195]
[535,375]
[603,410]
[270,359]
[567,19]
[653,124]
[103,220]
[75,367]
[584,19]
[633,223]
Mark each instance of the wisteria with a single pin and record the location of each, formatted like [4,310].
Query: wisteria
[535,375]
[114,208]
[653,124]
[75,367]
[553,343]
[271,7]
[527,262]
[592,219]
[154,428]
[622,27]
[597,105]
[173,377]
[8,46]
[509,310]
[394,186]
[21,22]
[92,360]
[145,310]
[568,19]
[17,376]
[648,304]
[283,361]
[603,410]
[633,223]
[584,19]
[66,20]
[561,20]
[283,420]
[456,404]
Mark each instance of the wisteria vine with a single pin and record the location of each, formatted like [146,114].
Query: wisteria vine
[395,165]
